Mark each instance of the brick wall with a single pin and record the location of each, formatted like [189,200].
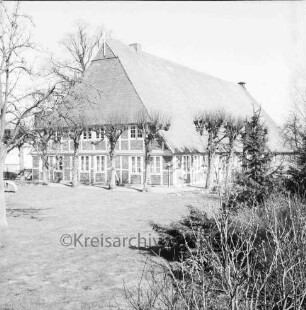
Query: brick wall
[67,175]
[100,178]
[35,175]
[65,146]
[125,169]
[135,179]
[35,161]
[84,177]
[67,161]
[155,179]
[71,145]
[125,135]
[101,146]
[136,144]
[125,176]
[167,178]
[124,145]
[86,146]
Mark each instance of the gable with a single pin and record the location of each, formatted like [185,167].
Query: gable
[112,92]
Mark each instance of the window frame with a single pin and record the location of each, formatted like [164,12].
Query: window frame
[87,134]
[102,163]
[83,163]
[137,133]
[138,165]
[186,163]
[59,163]
[153,164]
[100,134]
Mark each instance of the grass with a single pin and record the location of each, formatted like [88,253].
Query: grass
[37,272]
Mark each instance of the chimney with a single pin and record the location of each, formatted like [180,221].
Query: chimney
[136,46]
[242,84]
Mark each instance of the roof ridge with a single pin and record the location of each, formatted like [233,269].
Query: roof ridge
[172,63]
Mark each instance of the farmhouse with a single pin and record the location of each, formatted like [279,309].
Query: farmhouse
[129,80]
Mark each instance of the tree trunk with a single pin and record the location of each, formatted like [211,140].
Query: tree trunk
[112,157]
[45,170]
[75,165]
[147,167]
[209,172]
[228,166]
[3,221]
[21,165]
[210,155]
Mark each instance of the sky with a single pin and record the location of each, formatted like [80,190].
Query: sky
[262,43]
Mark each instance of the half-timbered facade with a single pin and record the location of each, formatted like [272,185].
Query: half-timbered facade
[129,80]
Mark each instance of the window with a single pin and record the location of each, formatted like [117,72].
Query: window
[59,163]
[84,163]
[51,161]
[57,137]
[100,163]
[197,162]
[87,134]
[155,164]
[135,132]
[186,162]
[139,133]
[136,164]
[100,133]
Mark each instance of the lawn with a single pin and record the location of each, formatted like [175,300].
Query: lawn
[37,272]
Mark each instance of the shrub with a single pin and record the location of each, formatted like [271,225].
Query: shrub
[8,175]
[255,182]
[253,259]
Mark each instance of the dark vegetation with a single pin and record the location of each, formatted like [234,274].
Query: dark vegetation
[250,255]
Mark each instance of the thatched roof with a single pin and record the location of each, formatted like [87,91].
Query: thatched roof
[128,80]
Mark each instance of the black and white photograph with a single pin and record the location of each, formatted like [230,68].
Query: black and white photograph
[153,155]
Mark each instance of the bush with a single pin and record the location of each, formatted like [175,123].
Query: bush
[8,175]
[253,259]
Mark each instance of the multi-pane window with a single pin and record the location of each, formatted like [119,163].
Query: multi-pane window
[59,163]
[100,163]
[84,163]
[87,134]
[197,162]
[136,164]
[100,133]
[135,132]
[155,164]
[139,133]
[186,162]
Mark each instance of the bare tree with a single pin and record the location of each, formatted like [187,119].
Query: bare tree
[15,107]
[73,121]
[113,127]
[151,124]
[232,129]
[210,122]
[43,136]
[80,47]
[294,129]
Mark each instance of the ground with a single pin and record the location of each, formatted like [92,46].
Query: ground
[37,272]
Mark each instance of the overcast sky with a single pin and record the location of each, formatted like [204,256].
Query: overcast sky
[260,43]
